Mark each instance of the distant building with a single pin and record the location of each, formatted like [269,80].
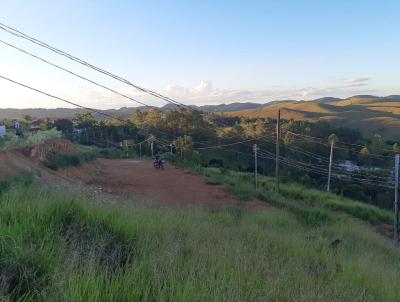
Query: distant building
[3,131]
[349,166]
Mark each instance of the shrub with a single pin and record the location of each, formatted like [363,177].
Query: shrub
[30,140]
[60,161]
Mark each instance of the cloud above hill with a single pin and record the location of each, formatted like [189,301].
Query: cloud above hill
[205,92]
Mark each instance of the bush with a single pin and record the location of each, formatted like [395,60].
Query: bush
[30,140]
[60,161]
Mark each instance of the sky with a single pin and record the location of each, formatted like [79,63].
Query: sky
[202,52]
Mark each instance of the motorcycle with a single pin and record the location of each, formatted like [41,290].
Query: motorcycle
[158,164]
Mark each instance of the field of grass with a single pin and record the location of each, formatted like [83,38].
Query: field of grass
[61,248]
[313,205]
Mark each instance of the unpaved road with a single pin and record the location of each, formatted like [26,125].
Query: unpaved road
[114,181]
[140,180]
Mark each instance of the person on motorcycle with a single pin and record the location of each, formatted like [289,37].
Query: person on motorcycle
[157,156]
[158,160]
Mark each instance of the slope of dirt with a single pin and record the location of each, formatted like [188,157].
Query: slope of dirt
[140,180]
[13,163]
[28,159]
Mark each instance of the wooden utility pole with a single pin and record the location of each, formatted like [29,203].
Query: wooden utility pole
[396,199]
[255,149]
[278,138]
[328,187]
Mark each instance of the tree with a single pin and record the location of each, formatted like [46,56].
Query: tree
[364,151]
[184,144]
[64,125]
[396,148]
[377,144]
[137,118]
[332,138]
[46,124]
[85,120]
[288,138]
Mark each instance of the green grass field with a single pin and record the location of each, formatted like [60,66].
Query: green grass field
[312,205]
[61,248]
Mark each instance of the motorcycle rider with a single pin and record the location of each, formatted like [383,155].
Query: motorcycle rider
[158,159]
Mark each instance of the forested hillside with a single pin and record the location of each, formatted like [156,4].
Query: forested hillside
[370,114]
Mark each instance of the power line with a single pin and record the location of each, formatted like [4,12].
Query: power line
[319,141]
[20,34]
[61,99]
[69,102]
[76,75]
[225,145]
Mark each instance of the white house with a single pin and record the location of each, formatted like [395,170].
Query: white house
[2,131]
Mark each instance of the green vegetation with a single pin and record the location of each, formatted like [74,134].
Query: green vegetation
[308,204]
[22,179]
[60,161]
[29,140]
[368,113]
[361,170]
[60,248]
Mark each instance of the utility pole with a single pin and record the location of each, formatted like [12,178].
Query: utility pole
[140,150]
[255,149]
[396,199]
[152,138]
[170,148]
[278,138]
[328,187]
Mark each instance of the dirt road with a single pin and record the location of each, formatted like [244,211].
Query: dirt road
[140,180]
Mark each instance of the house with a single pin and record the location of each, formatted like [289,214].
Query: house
[349,166]
[3,131]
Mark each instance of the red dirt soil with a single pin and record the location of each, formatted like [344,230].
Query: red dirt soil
[28,159]
[139,179]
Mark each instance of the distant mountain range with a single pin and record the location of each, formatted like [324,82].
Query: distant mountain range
[371,114]
[123,112]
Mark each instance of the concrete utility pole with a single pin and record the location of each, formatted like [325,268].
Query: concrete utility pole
[278,138]
[171,148]
[328,187]
[152,138]
[140,150]
[255,149]
[396,199]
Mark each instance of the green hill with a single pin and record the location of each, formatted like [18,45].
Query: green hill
[370,114]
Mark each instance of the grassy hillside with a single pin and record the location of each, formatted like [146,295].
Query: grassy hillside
[368,113]
[61,248]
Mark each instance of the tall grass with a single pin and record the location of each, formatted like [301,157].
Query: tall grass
[311,204]
[60,161]
[59,248]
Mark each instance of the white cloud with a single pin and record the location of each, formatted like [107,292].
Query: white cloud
[205,93]
[202,93]
[356,82]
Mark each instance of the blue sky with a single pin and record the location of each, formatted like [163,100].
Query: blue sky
[205,52]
